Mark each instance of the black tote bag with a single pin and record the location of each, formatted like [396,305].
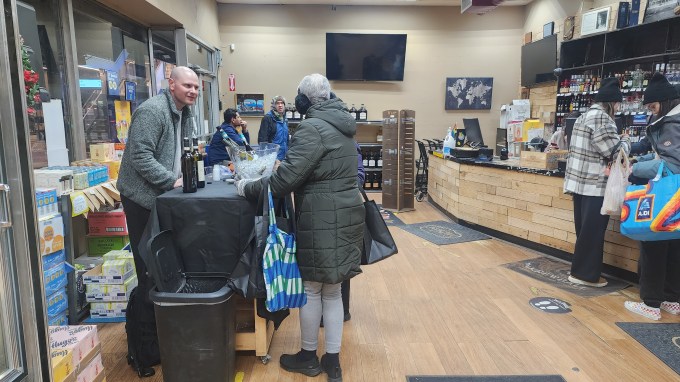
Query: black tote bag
[378,241]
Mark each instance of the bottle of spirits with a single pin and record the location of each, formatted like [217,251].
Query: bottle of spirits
[296,114]
[379,180]
[200,169]
[188,169]
[379,163]
[371,160]
[289,111]
[363,113]
[353,112]
[364,157]
[375,184]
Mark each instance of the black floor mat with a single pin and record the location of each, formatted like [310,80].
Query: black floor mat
[662,340]
[555,273]
[443,233]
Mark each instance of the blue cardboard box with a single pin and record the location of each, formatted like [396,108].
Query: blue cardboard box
[54,279]
[53,259]
[57,303]
[59,320]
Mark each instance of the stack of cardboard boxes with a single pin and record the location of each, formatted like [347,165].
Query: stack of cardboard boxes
[107,232]
[108,286]
[109,155]
[75,353]
[51,233]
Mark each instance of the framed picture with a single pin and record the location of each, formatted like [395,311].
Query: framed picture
[548,29]
[660,9]
[468,93]
[250,104]
[568,32]
[595,21]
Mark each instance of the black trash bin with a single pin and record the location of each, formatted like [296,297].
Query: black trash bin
[194,318]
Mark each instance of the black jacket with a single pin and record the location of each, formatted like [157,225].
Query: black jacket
[267,129]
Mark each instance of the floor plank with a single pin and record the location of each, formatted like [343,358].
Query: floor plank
[453,309]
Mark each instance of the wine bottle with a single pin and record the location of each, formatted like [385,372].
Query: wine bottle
[188,169]
[243,153]
[371,160]
[353,112]
[362,113]
[200,166]
[368,181]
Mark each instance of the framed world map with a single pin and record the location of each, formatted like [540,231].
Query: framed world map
[468,93]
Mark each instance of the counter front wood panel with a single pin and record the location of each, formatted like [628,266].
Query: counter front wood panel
[529,206]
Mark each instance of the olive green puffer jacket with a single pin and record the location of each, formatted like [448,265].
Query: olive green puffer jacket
[321,169]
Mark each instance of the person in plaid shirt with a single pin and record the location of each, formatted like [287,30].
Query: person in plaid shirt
[594,141]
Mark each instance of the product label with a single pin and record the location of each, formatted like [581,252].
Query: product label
[645,208]
[78,203]
[365,162]
[362,115]
[379,162]
[201,171]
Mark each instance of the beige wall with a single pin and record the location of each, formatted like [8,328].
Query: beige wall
[277,45]
[199,17]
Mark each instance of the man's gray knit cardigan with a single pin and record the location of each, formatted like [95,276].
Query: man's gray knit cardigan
[147,167]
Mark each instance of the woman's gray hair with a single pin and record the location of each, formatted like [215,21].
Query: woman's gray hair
[316,87]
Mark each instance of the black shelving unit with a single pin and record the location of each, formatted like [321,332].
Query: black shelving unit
[644,46]
[74,228]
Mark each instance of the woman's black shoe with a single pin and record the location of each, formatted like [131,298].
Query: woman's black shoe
[297,363]
[332,368]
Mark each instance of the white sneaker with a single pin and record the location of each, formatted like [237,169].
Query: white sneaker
[671,307]
[599,284]
[643,310]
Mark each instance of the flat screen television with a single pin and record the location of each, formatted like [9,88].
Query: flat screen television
[539,58]
[365,57]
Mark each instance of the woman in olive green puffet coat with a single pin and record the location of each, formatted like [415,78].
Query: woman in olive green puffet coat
[321,169]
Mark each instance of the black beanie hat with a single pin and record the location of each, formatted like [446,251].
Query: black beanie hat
[609,91]
[659,90]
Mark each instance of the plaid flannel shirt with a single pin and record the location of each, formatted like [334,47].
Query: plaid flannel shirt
[594,142]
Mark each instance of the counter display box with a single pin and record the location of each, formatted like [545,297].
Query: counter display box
[46,201]
[51,233]
[100,245]
[111,223]
[55,279]
[57,303]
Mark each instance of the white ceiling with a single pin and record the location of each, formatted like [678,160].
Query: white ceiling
[369,2]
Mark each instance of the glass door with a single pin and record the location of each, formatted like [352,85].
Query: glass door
[23,340]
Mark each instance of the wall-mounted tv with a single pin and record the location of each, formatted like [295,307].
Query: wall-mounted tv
[365,57]
[539,58]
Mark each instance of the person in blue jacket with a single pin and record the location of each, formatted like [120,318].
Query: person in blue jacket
[274,127]
[236,129]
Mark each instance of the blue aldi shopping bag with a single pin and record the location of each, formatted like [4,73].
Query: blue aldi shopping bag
[281,273]
[652,212]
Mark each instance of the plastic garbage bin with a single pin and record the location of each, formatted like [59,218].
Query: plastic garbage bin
[194,318]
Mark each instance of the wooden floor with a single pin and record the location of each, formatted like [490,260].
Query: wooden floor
[454,310]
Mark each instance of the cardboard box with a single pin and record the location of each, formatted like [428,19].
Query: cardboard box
[60,319]
[545,161]
[120,313]
[81,340]
[110,223]
[110,292]
[92,371]
[46,200]
[119,306]
[54,279]
[95,276]
[59,179]
[57,303]
[113,167]
[66,368]
[53,259]
[99,245]
[102,152]
[51,231]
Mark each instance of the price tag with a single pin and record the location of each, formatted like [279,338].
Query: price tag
[78,203]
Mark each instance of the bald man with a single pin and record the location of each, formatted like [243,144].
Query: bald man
[151,166]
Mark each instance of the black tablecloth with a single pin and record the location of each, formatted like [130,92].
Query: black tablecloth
[211,227]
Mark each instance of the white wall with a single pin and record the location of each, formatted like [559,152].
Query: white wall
[277,45]
[199,17]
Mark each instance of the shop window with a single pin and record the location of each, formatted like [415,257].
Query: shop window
[42,53]
[164,56]
[114,70]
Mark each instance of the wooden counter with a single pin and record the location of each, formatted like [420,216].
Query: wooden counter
[528,207]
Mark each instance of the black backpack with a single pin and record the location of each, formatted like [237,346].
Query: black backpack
[142,338]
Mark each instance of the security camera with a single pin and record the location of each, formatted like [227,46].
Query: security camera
[557,72]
